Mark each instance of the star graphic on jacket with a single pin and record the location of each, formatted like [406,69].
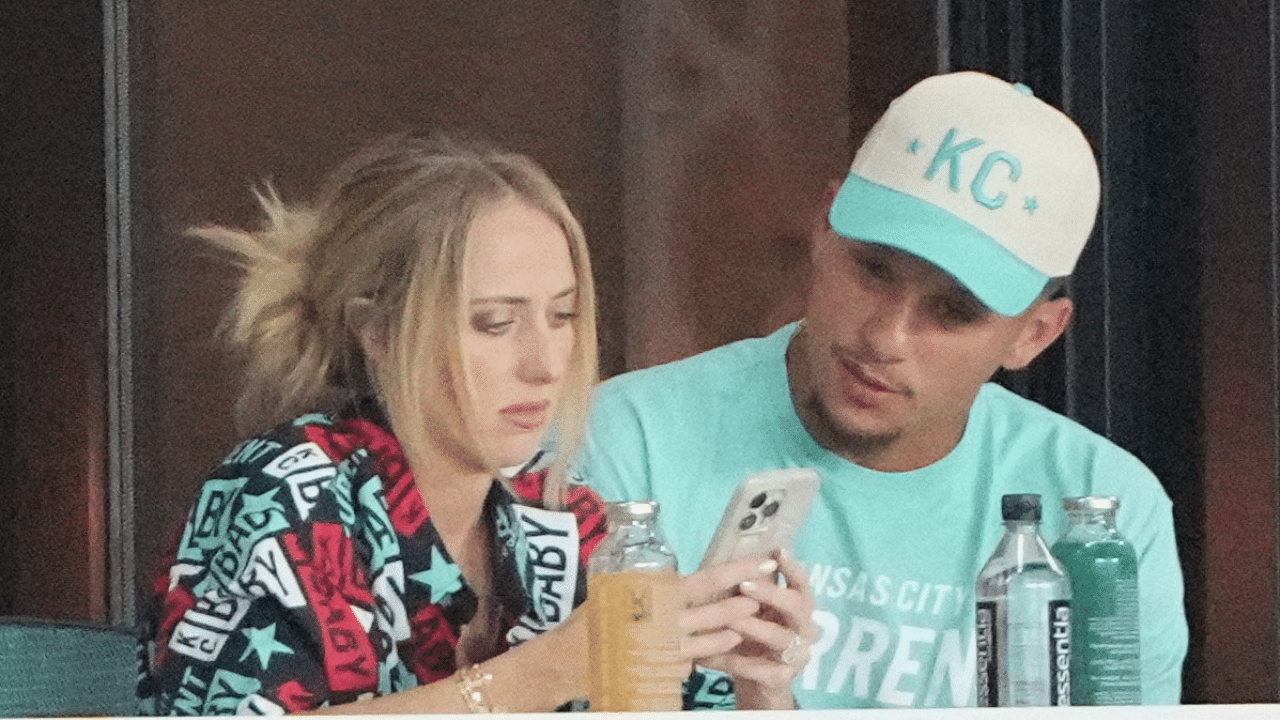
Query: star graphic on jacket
[443,578]
[263,503]
[263,641]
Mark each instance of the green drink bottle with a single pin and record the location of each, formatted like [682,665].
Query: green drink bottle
[1105,657]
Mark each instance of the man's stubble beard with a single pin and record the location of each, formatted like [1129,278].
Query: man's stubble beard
[817,419]
[858,447]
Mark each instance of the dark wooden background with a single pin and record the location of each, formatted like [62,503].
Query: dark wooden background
[694,139]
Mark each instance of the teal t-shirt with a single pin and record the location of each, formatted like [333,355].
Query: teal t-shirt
[892,557]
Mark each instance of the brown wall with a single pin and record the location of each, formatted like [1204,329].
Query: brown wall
[1236,613]
[738,116]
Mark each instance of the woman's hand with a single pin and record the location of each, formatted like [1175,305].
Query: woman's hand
[565,648]
[760,638]
[713,605]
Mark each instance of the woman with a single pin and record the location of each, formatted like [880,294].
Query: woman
[426,324]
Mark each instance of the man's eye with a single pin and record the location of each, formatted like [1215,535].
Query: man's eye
[875,268]
[953,313]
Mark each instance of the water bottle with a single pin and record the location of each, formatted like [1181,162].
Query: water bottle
[1103,567]
[1023,619]
[633,598]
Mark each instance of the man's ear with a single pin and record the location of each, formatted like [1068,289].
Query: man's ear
[820,229]
[823,221]
[368,323]
[833,189]
[1043,323]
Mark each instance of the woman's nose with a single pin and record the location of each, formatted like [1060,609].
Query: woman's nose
[541,360]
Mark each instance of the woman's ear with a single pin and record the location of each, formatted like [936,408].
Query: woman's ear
[368,323]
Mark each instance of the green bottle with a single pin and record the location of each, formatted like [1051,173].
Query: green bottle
[1106,666]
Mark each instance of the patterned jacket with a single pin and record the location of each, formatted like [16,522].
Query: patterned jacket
[309,573]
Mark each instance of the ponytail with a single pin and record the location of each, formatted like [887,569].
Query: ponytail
[291,347]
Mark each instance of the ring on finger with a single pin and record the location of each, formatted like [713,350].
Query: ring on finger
[792,653]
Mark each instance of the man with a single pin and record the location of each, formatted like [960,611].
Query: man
[965,208]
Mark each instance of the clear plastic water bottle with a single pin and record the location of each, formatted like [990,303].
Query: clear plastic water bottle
[633,597]
[1023,615]
[1106,666]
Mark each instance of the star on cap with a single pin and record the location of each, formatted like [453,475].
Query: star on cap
[913,146]
[263,641]
[1031,205]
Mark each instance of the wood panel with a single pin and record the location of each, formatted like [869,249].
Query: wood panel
[1237,618]
[735,118]
[52,287]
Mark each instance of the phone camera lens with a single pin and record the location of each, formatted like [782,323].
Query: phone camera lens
[757,501]
[747,522]
[770,509]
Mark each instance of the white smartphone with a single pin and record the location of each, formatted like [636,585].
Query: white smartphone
[763,515]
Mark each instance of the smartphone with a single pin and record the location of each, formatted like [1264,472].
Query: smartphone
[763,515]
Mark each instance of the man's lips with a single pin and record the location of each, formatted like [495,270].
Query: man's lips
[863,385]
[527,416]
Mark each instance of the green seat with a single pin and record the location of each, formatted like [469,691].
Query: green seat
[58,668]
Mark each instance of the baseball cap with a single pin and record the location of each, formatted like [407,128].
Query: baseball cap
[979,177]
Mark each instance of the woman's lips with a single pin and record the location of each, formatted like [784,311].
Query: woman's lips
[527,416]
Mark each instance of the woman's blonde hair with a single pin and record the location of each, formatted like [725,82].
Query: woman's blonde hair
[389,228]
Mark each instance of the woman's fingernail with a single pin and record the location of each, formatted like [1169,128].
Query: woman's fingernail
[769,566]
[747,586]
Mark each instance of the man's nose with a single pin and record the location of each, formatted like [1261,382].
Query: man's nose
[890,326]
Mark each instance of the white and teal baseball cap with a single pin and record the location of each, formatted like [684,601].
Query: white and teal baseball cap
[979,177]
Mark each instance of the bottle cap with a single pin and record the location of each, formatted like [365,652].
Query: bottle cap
[1021,506]
[631,511]
[1090,502]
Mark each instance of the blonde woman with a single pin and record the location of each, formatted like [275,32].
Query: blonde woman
[394,540]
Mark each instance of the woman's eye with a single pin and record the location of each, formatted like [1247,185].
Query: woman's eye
[563,317]
[490,323]
[563,311]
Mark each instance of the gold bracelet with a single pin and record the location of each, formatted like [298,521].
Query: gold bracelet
[472,684]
